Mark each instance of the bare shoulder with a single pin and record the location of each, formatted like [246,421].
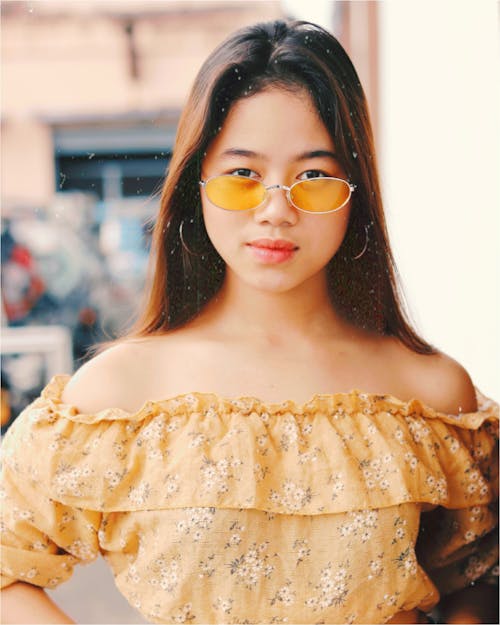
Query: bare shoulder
[109,380]
[437,380]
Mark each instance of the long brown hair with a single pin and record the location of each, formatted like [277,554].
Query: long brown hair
[294,55]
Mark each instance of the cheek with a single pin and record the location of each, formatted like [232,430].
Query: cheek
[332,232]
[211,221]
[221,227]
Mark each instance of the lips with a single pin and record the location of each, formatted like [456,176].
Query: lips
[273,244]
[272,251]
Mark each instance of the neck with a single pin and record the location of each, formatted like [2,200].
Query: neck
[305,311]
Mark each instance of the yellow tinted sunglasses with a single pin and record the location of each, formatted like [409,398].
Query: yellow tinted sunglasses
[314,195]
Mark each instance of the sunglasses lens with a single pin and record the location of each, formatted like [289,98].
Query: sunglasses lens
[320,195]
[235,193]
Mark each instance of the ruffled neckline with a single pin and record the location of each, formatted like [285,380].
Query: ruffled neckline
[335,453]
[349,402]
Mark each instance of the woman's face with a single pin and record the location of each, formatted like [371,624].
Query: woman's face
[277,137]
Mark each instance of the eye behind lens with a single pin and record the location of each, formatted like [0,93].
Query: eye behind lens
[314,195]
[235,193]
[320,195]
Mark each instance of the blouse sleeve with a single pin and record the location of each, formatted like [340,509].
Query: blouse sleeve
[41,538]
[459,546]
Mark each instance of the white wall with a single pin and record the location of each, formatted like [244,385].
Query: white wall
[440,161]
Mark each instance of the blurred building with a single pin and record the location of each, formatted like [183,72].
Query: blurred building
[91,96]
[92,93]
[92,90]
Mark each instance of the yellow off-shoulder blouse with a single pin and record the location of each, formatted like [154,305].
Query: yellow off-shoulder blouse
[347,509]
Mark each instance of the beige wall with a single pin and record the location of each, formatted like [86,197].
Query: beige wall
[64,62]
[27,167]
[439,106]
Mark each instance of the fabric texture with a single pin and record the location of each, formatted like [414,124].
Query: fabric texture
[346,509]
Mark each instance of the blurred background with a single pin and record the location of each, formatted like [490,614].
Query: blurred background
[91,95]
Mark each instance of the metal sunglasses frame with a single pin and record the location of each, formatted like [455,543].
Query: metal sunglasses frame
[352,187]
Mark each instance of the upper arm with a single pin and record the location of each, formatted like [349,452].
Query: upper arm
[103,382]
[442,383]
[24,603]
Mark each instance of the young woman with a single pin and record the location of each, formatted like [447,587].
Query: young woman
[273,442]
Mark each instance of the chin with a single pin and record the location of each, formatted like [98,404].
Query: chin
[273,283]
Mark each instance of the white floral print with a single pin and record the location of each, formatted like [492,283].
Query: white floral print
[292,495]
[332,587]
[284,595]
[196,522]
[252,565]
[140,494]
[216,475]
[333,511]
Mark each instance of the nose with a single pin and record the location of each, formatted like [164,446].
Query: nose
[276,209]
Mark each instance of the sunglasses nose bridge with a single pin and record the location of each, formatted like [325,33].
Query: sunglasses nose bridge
[276,209]
[280,187]
[277,186]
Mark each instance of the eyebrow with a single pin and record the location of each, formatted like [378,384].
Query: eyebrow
[304,156]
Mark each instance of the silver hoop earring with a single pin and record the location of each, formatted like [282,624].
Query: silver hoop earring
[365,246]
[183,242]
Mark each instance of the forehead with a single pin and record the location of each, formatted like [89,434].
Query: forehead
[274,121]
